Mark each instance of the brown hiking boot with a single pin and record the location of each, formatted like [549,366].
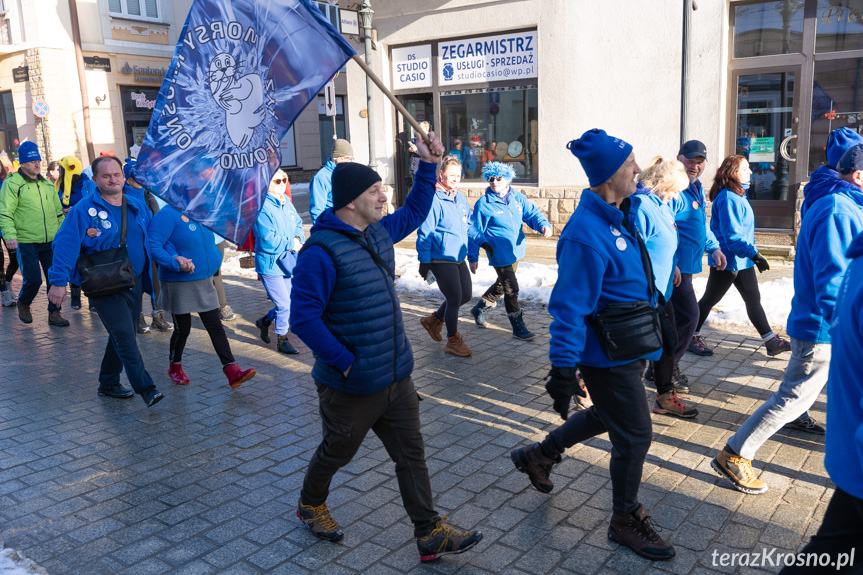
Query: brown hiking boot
[445,540]
[635,530]
[455,345]
[532,461]
[433,325]
[55,319]
[24,313]
[738,471]
[669,403]
[320,522]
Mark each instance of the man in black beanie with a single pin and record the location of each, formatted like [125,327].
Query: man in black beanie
[345,308]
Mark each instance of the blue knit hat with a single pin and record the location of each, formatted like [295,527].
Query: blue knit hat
[127,167]
[28,152]
[839,142]
[600,155]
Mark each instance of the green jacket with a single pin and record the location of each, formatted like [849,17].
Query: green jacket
[30,210]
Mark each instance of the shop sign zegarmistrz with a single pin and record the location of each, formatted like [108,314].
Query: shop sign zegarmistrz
[488,59]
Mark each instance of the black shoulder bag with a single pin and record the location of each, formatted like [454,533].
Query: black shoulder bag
[108,272]
[631,330]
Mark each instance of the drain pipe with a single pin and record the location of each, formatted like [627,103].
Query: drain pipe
[684,69]
[82,79]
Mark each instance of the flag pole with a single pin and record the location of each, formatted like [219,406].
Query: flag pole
[402,110]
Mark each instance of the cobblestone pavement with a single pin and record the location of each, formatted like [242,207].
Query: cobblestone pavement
[207,481]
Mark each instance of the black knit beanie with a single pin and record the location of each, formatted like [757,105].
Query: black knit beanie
[351,179]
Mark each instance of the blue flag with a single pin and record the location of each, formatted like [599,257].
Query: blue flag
[242,72]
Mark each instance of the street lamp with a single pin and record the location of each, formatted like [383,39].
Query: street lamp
[366,14]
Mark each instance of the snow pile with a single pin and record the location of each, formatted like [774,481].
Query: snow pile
[12,563]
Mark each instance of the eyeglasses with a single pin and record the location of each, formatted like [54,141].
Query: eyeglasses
[281,181]
[496,179]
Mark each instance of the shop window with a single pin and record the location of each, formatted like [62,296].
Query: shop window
[135,8]
[839,27]
[492,125]
[331,13]
[768,28]
[837,101]
[8,126]
[325,126]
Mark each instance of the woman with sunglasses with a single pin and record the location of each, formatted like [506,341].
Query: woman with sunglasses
[442,242]
[733,223]
[278,237]
[497,218]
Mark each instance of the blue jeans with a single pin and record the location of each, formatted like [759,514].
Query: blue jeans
[30,257]
[279,290]
[804,378]
[119,314]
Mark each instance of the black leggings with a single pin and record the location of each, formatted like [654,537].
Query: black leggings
[663,368]
[213,325]
[453,279]
[746,283]
[505,287]
[13,266]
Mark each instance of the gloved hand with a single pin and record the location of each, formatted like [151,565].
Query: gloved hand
[561,384]
[488,249]
[762,264]
[424,270]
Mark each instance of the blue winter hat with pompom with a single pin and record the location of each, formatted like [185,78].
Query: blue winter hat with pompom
[498,169]
[600,155]
[127,167]
[839,142]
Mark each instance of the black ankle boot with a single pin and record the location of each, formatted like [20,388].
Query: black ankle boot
[263,324]
[76,298]
[285,346]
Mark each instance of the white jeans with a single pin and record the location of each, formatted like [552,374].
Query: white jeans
[804,378]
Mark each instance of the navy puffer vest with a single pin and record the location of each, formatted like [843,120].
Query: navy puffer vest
[363,313]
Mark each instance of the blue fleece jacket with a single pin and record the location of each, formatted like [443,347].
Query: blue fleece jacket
[170,228]
[277,225]
[83,188]
[655,221]
[694,238]
[498,221]
[321,191]
[87,216]
[444,234]
[733,222]
[844,442]
[598,263]
[315,273]
[830,223]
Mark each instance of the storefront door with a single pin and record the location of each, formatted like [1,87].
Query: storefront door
[421,108]
[767,128]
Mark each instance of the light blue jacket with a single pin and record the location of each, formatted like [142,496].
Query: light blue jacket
[168,229]
[694,238]
[599,262]
[275,229]
[321,191]
[443,236]
[830,223]
[498,222]
[844,441]
[655,221]
[733,222]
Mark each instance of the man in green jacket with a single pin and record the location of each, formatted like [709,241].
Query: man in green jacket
[30,215]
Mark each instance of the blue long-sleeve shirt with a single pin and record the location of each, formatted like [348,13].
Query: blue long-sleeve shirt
[321,191]
[315,274]
[733,222]
[498,221]
[694,236]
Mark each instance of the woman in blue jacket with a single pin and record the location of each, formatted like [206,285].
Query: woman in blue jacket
[188,258]
[497,218]
[650,212]
[72,186]
[278,237]
[442,242]
[732,221]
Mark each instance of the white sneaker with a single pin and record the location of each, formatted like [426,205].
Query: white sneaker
[7,298]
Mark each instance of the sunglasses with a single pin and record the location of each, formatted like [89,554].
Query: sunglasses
[281,181]
[496,179]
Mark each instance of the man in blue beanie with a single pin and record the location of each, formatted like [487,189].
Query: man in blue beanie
[30,215]
[345,308]
[600,264]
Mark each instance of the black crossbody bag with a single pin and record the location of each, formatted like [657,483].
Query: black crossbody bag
[108,272]
[630,330]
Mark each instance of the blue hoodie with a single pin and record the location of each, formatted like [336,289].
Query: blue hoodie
[315,279]
[84,187]
[86,215]
[443,236]
[498,221]
[733,222]
[693,235]
[321,191]
[170,228]
[832,217]
[655,220]
[277,225]
[598,263]
[844,442]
